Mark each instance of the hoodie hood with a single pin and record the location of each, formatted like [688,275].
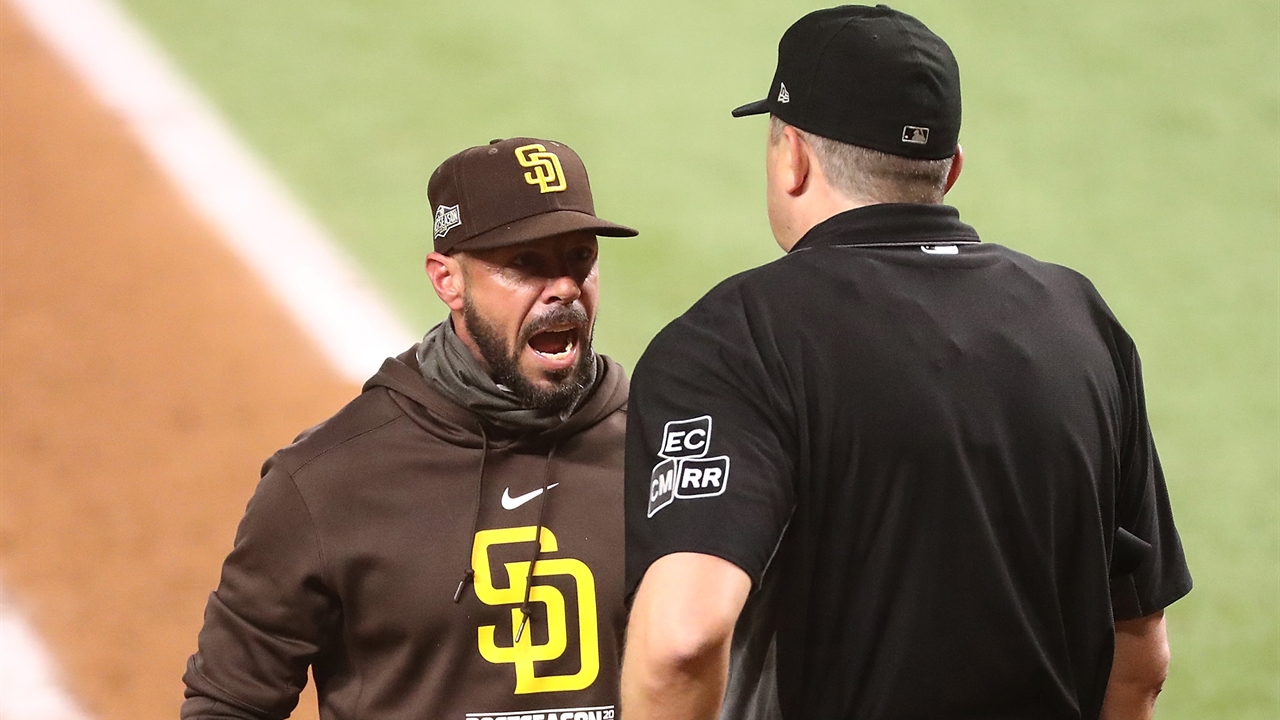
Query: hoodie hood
[460,426]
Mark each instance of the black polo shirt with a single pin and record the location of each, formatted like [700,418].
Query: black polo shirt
[932,457]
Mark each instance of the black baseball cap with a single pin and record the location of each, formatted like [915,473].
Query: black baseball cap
[512,191]
[868,76]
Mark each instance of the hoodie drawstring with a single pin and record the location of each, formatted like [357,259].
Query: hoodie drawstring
[537,543]
[470,575]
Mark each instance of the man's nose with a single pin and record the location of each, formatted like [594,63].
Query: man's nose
[564,288]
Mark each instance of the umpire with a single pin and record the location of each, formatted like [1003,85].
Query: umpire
[897,473]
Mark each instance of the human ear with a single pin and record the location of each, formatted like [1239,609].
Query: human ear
[447,279]
[795,162]
[957,163]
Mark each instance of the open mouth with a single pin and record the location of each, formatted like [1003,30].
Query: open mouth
[556,343]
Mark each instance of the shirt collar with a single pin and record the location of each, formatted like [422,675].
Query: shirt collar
[890,224]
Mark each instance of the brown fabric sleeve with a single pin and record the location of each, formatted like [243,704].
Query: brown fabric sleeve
[267,619]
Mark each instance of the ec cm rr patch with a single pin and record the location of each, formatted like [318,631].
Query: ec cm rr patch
[685,472]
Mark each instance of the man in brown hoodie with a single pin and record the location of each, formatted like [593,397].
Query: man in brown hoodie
[449,544]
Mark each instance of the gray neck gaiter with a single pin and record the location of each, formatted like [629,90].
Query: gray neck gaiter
[448,364]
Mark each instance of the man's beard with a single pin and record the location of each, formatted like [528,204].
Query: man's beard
[569,384]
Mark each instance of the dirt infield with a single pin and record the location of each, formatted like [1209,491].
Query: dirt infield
[144,376]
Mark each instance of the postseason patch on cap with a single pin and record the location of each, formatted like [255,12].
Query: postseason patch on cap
[447,218]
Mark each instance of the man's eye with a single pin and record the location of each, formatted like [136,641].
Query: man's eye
[522,261]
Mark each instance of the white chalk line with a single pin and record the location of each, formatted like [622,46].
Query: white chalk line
[224,181]
[256,216]
[29,687]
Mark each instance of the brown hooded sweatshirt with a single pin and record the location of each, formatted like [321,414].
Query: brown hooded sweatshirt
[362,532]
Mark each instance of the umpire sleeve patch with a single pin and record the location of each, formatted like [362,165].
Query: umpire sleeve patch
[685,472]
[662,485]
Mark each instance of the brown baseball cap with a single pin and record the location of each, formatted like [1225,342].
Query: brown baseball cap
[512,191]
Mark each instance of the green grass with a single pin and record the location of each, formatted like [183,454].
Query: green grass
[1134,141]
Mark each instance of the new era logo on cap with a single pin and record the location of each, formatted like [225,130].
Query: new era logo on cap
[915,135]
[447,218]
[783,95]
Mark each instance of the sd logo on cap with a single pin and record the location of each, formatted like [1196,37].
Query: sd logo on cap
[512,191]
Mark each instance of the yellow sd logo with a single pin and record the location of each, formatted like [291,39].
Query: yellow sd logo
[546,171]
[523,653]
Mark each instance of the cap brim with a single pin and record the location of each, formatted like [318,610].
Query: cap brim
[758,107]
[543,225]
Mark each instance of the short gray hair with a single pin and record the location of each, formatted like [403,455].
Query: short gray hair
[856,171]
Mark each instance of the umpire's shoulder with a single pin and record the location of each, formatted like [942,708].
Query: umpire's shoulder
[739,295]
[719,319]
[1074,289]
[1058,277]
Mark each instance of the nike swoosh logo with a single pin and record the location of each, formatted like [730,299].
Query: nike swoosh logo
[511,503]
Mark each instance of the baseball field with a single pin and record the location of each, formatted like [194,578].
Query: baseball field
[145,373]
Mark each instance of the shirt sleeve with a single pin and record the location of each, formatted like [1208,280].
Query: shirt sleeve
[264,624]
[1149,570]
[709,464]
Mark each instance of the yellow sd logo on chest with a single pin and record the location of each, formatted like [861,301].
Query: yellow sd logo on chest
[523,653]
[546,172]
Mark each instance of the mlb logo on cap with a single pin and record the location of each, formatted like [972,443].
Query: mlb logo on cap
[915,135]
